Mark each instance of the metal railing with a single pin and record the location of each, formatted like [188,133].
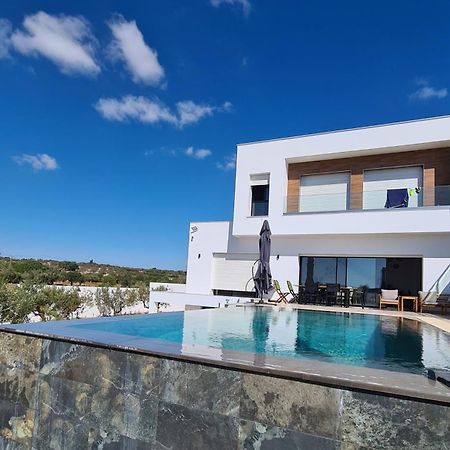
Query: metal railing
[442,282]
[417,197]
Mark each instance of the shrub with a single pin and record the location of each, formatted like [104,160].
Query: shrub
[18,303]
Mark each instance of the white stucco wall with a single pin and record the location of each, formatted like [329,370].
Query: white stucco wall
[273,157]
[433,248]
[209,238]
[414,232]
[169,287]
[392,221]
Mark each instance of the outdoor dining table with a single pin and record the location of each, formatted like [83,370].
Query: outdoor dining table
[345,290]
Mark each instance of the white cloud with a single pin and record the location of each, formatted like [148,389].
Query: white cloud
[41,161]
[426,91]
[244,4]
[5,37]
[137,108]
[200,153]
[145,110]
[190,112]
[128,46]
[67,41]
[229,163]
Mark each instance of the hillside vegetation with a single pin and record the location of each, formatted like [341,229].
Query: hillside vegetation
[72,273]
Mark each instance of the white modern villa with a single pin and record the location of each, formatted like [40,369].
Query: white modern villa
[361,207]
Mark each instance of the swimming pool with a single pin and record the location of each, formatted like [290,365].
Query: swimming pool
[241,377]
[364,340]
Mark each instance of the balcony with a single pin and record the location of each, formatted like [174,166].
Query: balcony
[327,202]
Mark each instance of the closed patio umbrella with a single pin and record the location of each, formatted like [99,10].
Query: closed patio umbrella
[263,277]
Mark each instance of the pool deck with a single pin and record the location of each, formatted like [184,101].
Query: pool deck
[400,384]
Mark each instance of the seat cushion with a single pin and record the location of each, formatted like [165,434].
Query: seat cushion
[428,298]
[389,294]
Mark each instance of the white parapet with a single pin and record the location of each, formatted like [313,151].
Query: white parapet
[179,300]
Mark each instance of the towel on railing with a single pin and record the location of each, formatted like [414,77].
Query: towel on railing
[397,198]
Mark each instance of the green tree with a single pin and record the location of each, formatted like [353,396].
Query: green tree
[11,276]
[54,303]
[14,307]
[74,277]
[70,266]
[143,294]
[108,301]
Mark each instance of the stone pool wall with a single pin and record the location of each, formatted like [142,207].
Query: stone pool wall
[57,395]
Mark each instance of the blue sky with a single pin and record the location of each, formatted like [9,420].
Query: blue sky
[119,120]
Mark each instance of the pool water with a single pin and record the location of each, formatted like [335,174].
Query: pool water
[364,340]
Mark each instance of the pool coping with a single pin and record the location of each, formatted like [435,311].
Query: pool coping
[371,380]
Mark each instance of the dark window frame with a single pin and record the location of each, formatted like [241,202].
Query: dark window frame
[260,200]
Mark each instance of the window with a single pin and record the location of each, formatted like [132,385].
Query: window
[328,192]
[260,200]
[323,270]
[377,182]
[260,194]
[366,272]
[404,274]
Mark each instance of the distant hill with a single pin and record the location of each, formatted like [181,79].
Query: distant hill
[48,271]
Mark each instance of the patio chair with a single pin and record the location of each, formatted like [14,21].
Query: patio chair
[432,299]
[282,296]
[444,302]
[311,293]
[295,297]
[390,297]
[332,294]
[358,297]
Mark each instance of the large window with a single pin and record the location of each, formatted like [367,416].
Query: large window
[378,182]
[327,192]
[259,194]
[365,272]
[404,274]
[322,270]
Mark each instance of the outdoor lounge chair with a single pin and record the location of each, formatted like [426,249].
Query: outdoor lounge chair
[390,297]
[295,297]
[282,296]
[433,299]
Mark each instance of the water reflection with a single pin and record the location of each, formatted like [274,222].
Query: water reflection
[346,338]
[252,333]
[260,333]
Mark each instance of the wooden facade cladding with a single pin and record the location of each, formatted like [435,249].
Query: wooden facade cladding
[435,163]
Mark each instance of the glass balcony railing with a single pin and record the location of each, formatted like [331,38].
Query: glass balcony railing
[391,198]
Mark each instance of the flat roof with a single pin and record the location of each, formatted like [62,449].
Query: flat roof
[345,130]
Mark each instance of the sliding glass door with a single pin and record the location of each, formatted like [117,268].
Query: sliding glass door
[404,274]
[365,272]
